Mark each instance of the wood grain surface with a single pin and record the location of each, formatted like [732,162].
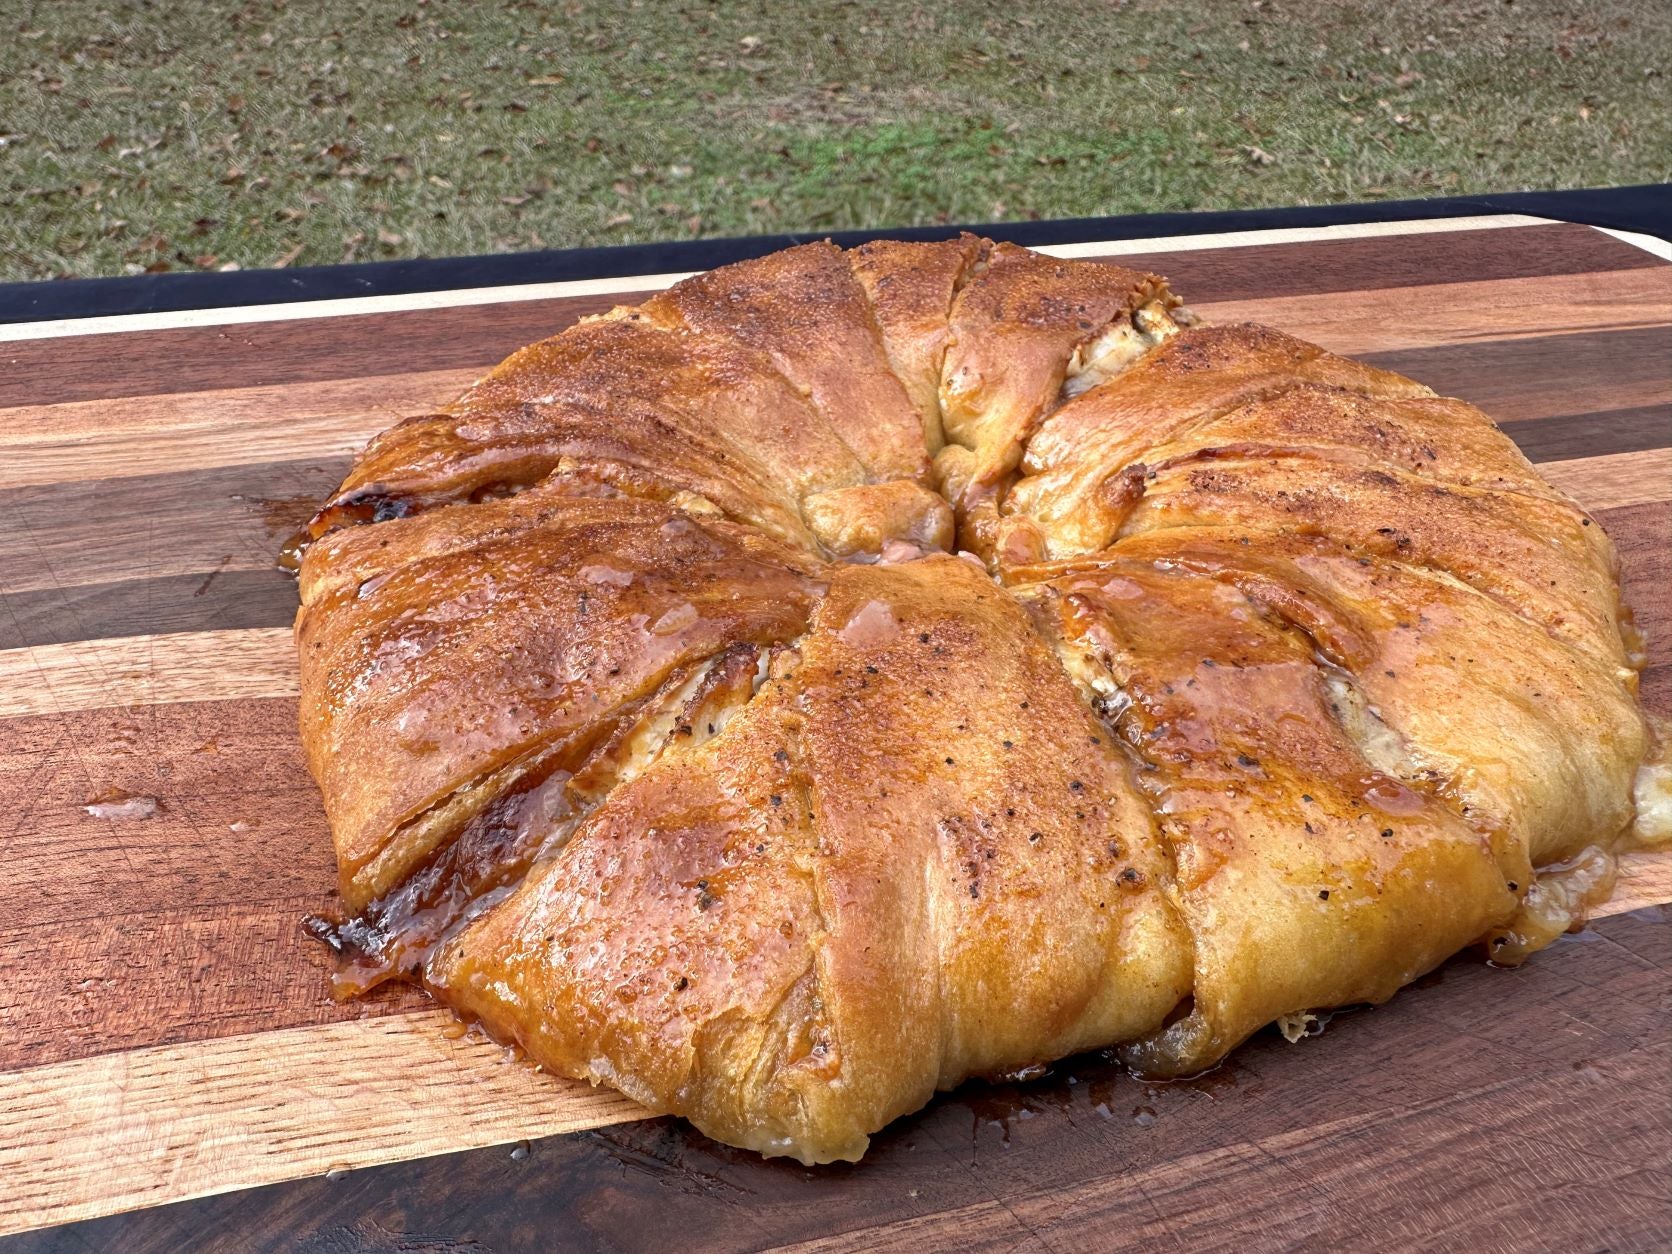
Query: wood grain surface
[1537,1124]
[166,1032]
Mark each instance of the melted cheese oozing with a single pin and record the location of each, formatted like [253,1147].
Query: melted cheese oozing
[1382,747]
[1652,794]
[1120,344]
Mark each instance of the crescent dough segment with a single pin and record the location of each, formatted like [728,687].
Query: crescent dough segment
[1024,327]
[615,405]
[656,733]
[1308,876]
[1534,554]
[1071,498]
[911,287]
[1444,687]
[799,930]
[804,309]
[442,661]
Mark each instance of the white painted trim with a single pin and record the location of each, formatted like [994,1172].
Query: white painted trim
[1292,235]
[344,307]
[1648,243]
[458,298]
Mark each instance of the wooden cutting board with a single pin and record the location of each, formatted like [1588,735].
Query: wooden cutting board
[165,1028]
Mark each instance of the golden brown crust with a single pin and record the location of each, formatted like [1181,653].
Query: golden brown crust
[911,287]
[806,311]
[1305,873]
[676,411]
[424,674]
[1533,553]
[654,729]
[1542,735]
[843,887]
[1015,326]
[1068,492]
[862,520]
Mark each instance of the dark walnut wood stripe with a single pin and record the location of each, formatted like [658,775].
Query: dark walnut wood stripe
[1480,1109]
[1594,434]
[1546,377]
[192,519]
[192,550]
[212,600]
[251,355]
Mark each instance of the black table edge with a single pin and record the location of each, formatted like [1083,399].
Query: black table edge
[1646,209]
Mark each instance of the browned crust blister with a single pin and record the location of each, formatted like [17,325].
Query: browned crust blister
[662,731]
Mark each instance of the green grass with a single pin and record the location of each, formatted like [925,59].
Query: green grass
[200,135]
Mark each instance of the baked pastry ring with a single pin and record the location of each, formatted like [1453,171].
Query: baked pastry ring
[848,673]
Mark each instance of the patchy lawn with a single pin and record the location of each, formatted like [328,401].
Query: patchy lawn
[180,135]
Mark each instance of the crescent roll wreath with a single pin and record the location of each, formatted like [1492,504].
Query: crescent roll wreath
[850,672]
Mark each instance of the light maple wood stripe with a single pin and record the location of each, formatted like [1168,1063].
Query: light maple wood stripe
[150,1126]
[1614,480]
[1389,319]
[1293,235]
[1648,243]
[144,435]
[350,306]
[148,670]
